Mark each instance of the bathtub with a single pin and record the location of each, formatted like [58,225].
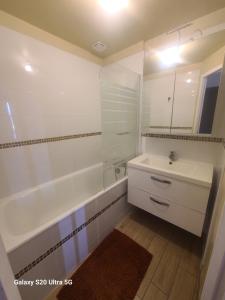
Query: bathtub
[26,214]
[49,230]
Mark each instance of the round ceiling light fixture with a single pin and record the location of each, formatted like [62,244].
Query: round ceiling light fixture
[99,46]
[113,6]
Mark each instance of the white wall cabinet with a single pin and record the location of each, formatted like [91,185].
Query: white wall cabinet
[169,102]
[158,100]
[185,97]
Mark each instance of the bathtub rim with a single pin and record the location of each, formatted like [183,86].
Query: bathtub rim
[11,246]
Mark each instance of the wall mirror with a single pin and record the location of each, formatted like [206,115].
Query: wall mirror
[183,74]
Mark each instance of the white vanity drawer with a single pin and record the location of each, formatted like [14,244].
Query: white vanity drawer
[182,193]
[183,217]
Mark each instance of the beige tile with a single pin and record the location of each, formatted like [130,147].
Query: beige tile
[154,293]
[191,259]
[52,295]
[165,274]
[197,288]
[131,228]
[156,248]
[184,286]
[144,237]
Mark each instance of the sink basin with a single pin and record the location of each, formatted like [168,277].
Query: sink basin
[193,171]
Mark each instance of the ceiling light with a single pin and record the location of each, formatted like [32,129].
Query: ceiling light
[170,56]
[113,6]
[28,68]
[189,80]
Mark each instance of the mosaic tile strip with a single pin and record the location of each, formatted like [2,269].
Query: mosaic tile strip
[169,127]
[184,137]
[48,140]
[67,238]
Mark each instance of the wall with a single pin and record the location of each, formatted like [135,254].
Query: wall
[195,150]
[134,62]
[213,61]
[220,202]
[213,261]
[59,97]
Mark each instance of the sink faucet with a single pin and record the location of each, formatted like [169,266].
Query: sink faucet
[172,155]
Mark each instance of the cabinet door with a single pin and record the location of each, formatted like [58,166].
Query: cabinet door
[185,97]
[158,101]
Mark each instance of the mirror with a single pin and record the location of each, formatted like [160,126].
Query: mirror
[181,83]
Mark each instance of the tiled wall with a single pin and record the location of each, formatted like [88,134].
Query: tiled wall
[60,249]
[204,151]
[59,97]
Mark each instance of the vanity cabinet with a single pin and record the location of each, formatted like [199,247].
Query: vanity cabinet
[179,202]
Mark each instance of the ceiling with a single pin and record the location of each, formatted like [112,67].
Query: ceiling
[83,22]
[191,53]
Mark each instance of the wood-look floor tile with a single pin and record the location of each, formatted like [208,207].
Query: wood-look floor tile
[191,259]
[53,294]
[184,286]
[131,228]
[144,237]
[165,274]
[154,293]
[156,248]
[197,287]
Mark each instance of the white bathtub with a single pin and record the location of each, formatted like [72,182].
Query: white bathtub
[26,214]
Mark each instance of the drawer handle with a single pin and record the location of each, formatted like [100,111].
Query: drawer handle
[159,202]
[160,180]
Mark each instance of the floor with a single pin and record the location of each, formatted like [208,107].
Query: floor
[174,270]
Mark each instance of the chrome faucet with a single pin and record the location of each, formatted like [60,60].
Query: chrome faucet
[172,156]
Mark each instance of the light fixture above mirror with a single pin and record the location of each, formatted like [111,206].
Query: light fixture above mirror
[170,56]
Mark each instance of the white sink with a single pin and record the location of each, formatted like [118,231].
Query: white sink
[193,171]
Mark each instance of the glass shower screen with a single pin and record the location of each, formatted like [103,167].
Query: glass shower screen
[120,94]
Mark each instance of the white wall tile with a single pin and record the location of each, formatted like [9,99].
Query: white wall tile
[28,166]
[61,85]
[200,151]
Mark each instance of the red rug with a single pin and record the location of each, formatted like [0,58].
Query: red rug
[113,271]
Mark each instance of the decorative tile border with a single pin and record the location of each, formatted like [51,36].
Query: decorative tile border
[184,137]
[169,127]
[47,140]
[123,133]
[67,238]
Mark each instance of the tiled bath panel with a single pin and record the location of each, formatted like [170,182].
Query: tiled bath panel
[68,256]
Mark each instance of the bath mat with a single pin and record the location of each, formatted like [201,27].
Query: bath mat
[113,271]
